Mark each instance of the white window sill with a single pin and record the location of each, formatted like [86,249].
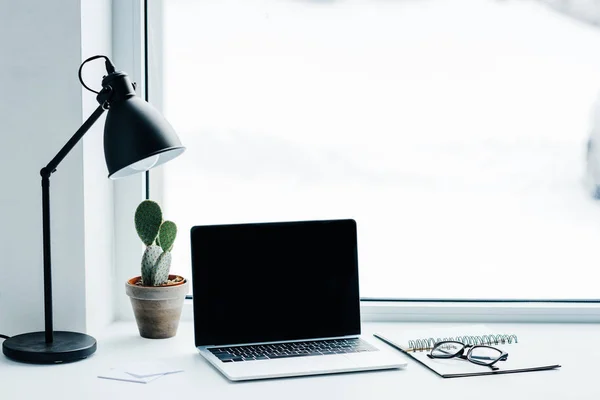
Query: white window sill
[409,311]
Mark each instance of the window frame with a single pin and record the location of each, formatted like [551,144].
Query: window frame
[128,55]
[467,311]
[131,54]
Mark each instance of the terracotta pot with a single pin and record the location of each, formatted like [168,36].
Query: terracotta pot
[157,309]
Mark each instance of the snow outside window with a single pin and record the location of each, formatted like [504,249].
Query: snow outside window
[454,132]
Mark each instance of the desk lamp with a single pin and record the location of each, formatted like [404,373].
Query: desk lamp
[136,138]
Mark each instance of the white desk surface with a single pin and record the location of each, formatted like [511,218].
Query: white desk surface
[576,348]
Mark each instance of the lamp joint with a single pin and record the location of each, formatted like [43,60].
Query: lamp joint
[104,96]
[46,172]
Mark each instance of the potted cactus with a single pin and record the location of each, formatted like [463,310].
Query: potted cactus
[156,296]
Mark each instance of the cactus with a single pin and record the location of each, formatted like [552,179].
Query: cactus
[148,218]
[162,266]
[149,260]
[166,235]
[158,236]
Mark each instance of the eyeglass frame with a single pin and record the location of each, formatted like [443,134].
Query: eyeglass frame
[461,354]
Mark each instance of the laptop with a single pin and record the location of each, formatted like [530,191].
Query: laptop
[280,299]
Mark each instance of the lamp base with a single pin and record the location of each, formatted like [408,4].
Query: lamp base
[32,347]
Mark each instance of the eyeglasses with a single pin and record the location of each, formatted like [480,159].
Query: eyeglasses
[480,355]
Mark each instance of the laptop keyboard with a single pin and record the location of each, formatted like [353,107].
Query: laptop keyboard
[294,349]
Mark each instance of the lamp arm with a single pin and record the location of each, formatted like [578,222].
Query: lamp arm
[46,172]
[51,167]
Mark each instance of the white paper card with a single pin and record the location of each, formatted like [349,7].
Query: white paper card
[120,375]
[148,369]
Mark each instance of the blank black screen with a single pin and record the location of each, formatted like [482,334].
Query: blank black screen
[274,281]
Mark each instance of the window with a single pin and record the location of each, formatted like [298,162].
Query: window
[454,132]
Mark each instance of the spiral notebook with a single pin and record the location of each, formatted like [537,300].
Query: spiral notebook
[521,356]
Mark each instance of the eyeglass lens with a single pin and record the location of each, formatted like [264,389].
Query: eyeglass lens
[484,355]
[447,349]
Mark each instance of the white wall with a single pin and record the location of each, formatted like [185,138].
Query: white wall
[41,105]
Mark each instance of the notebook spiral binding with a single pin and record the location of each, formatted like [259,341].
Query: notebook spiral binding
[482,340]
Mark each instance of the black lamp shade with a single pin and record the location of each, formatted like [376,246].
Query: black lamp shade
[137,137]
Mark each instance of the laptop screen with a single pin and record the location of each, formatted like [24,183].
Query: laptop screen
[274,281]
